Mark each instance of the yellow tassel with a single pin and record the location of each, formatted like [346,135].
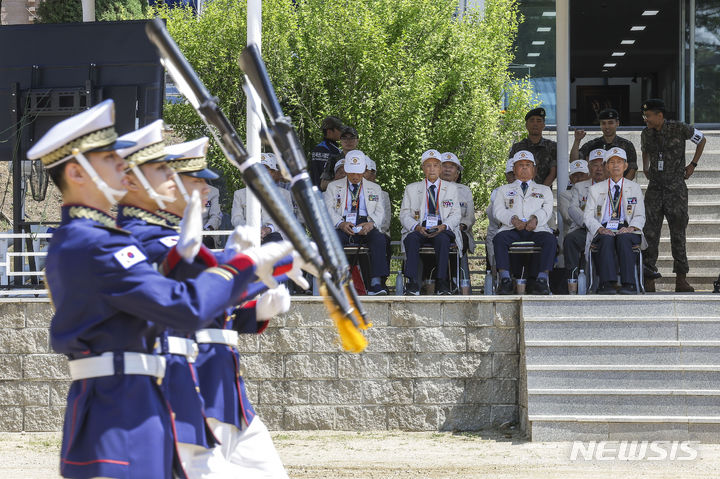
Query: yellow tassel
[351,338]
[356,312]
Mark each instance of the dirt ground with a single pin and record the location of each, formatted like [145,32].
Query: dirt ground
[400,455]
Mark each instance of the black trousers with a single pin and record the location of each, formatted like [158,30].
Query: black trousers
[377,245]
[612,248]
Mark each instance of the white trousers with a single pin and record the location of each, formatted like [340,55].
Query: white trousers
[249,452]
[202,463]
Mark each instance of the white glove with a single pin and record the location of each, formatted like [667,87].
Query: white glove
[265,257]
[240,239]
[190,238]
[296,272]
[273,302]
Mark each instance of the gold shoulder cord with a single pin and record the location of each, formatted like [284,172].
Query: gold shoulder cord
[92,214]
[144,215]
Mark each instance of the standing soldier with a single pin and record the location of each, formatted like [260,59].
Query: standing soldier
[328,150]
[609,122]
[663,151]
[543,150]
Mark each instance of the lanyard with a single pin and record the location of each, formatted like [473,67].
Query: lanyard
[436,199]
[614,206]
[355,197]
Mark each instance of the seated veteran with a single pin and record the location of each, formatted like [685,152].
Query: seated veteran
[268,230]
[574,243]
[371,175]
[430,215]
[356,209]
[493,225]
[523,209]
[614,217]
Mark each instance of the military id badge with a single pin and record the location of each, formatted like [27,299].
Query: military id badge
[613,225]
[661,163]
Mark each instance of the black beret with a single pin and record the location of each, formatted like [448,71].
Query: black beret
[655,104]
[535,112]
[609,114]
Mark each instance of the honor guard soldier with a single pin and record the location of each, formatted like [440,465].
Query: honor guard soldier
[523,208]
[244,450]
[356,209]
[609,122]
[328,150]
[663,151]
[493,224]
[615,216]
[268,231]
[543,150]
[109,301]
[430,215]
[452,171]
[574,243]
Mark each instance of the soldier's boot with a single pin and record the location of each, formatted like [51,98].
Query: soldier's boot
[649,285]
[681,284]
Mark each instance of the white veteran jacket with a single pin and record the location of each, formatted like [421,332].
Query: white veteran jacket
[385,226]
[632,204]
[578,200]
[467,212]
[336,194]
[412,209]
[509,201]
[238,213]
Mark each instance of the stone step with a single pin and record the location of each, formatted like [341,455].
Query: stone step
[622,352]
[612,379]
[622,328]
[653,307]
[696,228]
[703,174]
[707,245]
[567,427]
[618,402]
[665,262]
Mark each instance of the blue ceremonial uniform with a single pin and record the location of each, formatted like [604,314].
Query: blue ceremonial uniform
[107,298]
[180,386]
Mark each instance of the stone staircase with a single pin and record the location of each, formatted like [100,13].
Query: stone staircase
[626,368]
[703,232]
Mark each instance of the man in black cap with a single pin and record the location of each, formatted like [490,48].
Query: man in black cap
[609,122]
[327,150]
[544,151]
[663,153]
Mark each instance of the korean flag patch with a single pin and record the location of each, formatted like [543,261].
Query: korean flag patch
[169,241]
[129,256]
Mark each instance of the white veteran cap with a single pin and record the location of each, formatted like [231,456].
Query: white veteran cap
[579,166]
[523,155]
[89,131]
[615,151]
[452,158]
[189,158]
[355,162]
[148,147]
[430,154]
[269,160]
[597,154]
[370,164]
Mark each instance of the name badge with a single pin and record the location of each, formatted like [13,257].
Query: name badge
[351,218]
[431,221]
[613,225]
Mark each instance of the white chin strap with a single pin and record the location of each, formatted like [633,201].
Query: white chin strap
[112,195]
[158,198]
[181,187]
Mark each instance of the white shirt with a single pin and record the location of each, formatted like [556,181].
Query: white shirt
[437,195]
[608,202]
[362,209]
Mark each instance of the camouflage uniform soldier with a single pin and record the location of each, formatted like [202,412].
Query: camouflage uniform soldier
[544,151]
[663,152]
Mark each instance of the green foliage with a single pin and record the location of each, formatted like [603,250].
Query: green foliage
[68,11]
[408,74]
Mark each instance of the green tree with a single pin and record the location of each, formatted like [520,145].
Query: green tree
[409,74]
[68,11]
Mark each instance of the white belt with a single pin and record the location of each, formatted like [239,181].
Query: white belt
[183,347]
[104,365]
[219,336]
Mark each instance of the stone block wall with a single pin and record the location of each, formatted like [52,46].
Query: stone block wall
[432,364]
